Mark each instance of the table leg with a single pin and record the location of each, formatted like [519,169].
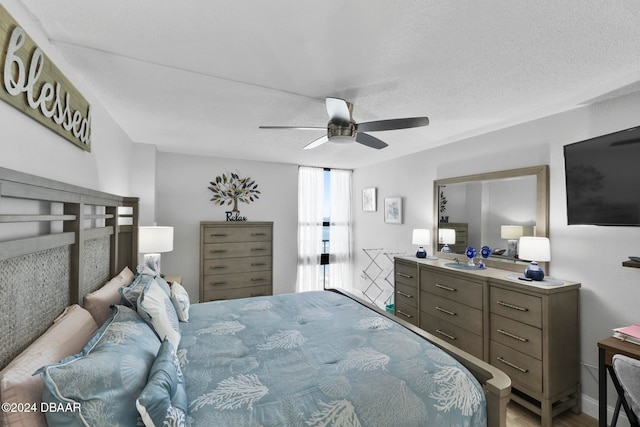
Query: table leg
[602,389]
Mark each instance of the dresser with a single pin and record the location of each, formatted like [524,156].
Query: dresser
[235,260]
[529,330]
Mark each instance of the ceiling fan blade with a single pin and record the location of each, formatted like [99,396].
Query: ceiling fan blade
[338,110]
[318,142]
[378,125]
[294,127]
[370,141]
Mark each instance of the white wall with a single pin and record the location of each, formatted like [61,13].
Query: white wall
[183,200]
[30,147]
[587,254]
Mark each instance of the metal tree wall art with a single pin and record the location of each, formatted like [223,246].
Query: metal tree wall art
[229,189]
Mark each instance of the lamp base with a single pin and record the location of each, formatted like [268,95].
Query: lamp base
[421,253]
[446,249]
[534,272]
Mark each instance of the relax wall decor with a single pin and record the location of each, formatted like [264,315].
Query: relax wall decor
[229,189]
[34,85]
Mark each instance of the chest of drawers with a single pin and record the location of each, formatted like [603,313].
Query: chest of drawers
[530,331]
[452,308]
[235,260]
[406,291]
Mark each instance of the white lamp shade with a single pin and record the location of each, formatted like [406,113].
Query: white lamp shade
[447,236]
[421,236]
[534,249]
[511,232]
[155,239]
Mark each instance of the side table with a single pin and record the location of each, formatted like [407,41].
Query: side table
[607,348]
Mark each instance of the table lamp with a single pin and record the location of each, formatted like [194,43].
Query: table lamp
[511,233]
[421,237]
[534,249]
[446,236]
[152,241]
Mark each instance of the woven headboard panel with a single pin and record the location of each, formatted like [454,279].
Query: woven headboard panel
[57,243]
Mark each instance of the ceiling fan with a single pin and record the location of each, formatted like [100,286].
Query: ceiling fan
[343,129]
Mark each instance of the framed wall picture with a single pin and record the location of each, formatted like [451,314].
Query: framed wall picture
[393,210]
[369,202]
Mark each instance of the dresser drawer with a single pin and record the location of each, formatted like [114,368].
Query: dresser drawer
[254,291]
[522,369]
[236,265]
[235,250]
[406,274]
[455,335]
[406,294]
[517,306]
[453,288]
[236,234]
[227,281]
[519,336]
[452,311]
[406,312]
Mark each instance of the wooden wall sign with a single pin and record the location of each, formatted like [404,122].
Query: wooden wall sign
[34,85]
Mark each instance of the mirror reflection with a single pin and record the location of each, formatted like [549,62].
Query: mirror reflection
[493,210]
[495,213]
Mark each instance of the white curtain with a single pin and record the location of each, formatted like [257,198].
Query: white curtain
[340,230]
[310,203]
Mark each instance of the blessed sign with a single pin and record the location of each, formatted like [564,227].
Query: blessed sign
[33,85]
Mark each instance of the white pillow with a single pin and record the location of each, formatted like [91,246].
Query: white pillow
[180,300]
[155,307]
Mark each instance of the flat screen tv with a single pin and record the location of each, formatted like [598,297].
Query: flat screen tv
[603,179]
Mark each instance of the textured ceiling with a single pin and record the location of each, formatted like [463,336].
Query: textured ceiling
[199,77]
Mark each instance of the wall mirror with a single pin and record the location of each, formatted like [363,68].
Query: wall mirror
[491,209]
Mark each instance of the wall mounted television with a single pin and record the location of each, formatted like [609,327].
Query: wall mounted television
[603,179]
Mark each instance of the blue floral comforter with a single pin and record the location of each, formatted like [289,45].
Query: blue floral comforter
[318,359]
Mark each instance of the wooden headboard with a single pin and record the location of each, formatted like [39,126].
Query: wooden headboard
[57,243]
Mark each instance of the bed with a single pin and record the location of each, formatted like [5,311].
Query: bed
[316,358]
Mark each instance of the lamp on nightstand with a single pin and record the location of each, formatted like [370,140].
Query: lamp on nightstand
[534,249]
[152,241]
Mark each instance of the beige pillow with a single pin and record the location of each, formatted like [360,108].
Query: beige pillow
[98,303]
[67,336]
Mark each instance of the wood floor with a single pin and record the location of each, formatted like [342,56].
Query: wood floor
[517,416]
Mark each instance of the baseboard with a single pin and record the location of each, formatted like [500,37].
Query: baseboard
[590,407]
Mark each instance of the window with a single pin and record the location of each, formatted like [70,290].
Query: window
[324,228]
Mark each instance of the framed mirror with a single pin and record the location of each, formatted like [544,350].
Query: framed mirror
[491,209]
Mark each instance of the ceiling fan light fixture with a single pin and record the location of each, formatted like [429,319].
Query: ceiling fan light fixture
[341,134]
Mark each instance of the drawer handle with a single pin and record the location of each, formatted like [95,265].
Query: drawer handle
[258,264]
[218,235]
[510,335]
[407,315]
[258,234]
[218,251]
[404,295]
[258,249]
[515,307]
[451,337]
[217,283]
[258,279]
[514,366]
[446,288]
[450,313]
[218,267]
[406,276]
